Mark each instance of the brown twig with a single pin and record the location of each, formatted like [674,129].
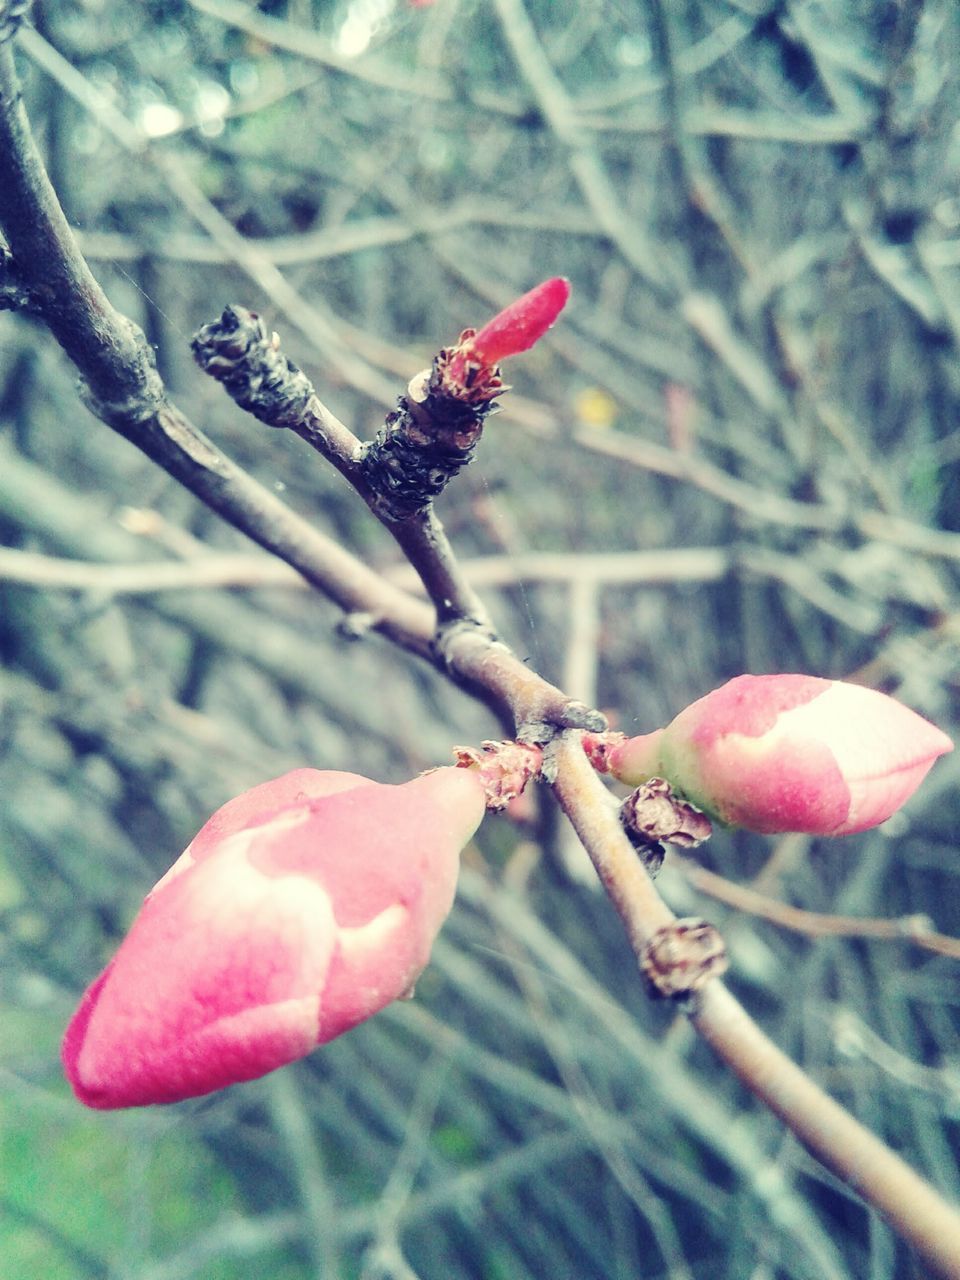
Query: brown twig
[313,322]
[240,353]
[201,573]
[916,930]
[909,1204]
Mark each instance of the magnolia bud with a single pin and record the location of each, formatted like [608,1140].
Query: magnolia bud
[789,753]
[301,908]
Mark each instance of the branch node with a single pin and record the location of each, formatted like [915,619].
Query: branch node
[682,957]
[423,444]
[577,715]
[138,410]
[449,635]
[916,926]
[504,767]
[539,733]
[356,625]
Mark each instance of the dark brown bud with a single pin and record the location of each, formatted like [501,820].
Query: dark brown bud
[239,351]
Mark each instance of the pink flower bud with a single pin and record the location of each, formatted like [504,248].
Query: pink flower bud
[301,908]
[789,753]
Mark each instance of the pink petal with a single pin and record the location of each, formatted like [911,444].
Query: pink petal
[166,1019]
[261,804]
[790,753]
[882,749]
[264,802]
[747,705]
[780,785]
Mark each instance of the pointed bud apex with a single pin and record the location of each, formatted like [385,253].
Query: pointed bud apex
[303,907]
[522,324]
[470,371]
[789,753]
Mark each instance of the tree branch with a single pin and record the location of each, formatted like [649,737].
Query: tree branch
[238,351]
[917,930]
[911,1206]
[123,388]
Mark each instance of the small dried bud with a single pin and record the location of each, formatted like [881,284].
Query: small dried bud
[239,351]
[653,813]
[682,957]
[505,768]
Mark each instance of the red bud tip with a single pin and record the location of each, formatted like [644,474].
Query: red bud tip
[520,325]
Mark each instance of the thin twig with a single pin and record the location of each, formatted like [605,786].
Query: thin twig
[916,930]
[239,351]
[335,241]
[424,541]
[670,1086]
[594,816]
[910,1205]
[37,570]
[312,47]
[586,164]
[764,505]
[311,319]
[291,1121]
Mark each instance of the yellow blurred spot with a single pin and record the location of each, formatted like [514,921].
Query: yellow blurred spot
[596,408]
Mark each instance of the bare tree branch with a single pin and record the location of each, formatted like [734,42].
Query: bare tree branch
[123,388]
